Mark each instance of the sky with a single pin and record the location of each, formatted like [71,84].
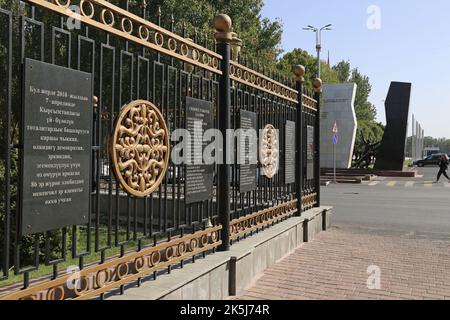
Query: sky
[411,43]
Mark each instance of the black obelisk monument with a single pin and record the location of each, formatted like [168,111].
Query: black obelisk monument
[391,155]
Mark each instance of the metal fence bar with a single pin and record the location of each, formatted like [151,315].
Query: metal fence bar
[299,72]
[223,37]
[127,67]
[317,94]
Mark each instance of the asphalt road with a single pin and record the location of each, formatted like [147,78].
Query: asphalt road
[411,207]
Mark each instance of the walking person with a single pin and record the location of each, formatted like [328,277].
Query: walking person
[443,167]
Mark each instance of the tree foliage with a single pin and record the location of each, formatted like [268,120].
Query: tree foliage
[442,143]
[302,57]
[261,37]
[369,132]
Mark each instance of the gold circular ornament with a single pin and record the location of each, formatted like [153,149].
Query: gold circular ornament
[204,240]
[154,259]
[104,20]
[82,9]
[215,236]
[139,264]
[102,277]
[140,148]
[122,270]
[172,44]
[56,293]
[64,5]
[269,151]
[193,244]
[126,25]
[195,55]
[81,286]
[144,32]
[215,63]
[206,59]
[181,248]
[169,253]
[158,38]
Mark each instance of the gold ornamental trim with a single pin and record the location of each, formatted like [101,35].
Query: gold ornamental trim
[249,77]
[269,151]
[309,201]
[110,275]
[252,222]
[140,148]
[105,16]
[309,103]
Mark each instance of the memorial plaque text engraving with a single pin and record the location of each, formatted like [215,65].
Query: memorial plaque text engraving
[57,146]
[247,146]
[199,176]
[289,160]
[309,152]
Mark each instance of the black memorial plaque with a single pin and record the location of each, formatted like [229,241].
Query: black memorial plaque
[309,152]
[289,160]
[57,144]
[248,146]
[199,176]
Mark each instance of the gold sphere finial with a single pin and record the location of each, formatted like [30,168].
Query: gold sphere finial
[299,72]
[317,84]
[95,101]
[222,23]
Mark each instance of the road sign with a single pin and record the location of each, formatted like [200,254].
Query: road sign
[335,139]
[335,128]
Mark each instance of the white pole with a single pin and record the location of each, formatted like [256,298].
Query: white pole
[413,140]
[334,161]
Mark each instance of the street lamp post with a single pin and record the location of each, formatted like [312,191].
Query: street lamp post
[318,32]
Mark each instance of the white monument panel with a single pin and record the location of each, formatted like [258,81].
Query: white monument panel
[338,107]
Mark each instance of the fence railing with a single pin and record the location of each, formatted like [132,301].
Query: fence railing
[129,237]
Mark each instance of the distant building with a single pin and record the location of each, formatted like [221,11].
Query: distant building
[430,151]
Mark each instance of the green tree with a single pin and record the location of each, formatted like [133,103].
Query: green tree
[343,71]
[261,37]
[363,108]
[302,57]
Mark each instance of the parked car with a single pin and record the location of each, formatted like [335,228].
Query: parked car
[432,160]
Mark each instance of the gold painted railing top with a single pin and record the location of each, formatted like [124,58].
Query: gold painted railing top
[249,77]
[133,28]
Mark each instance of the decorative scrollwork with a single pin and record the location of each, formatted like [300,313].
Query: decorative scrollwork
[247,224]
[97,279]
[308,201]
[269,151]
[104,15]
[140,148]
[249,77]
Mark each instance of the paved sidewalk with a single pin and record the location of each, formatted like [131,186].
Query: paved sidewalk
[334,266]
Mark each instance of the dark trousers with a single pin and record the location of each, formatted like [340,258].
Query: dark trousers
[442,171]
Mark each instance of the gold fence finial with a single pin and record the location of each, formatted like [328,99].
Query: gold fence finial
[223,24]
[317,85]
[299,72]
[236,46]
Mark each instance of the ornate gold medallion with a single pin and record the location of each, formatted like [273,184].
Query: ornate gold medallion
[140,148]
[269,151]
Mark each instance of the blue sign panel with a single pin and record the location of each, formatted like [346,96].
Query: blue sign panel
[335,139]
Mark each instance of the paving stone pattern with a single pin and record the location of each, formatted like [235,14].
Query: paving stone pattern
[334,267]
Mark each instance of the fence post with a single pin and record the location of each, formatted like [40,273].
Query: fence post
[317,84]
[299,72]
[223,35]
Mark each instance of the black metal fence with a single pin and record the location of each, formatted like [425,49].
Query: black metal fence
[151,63]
